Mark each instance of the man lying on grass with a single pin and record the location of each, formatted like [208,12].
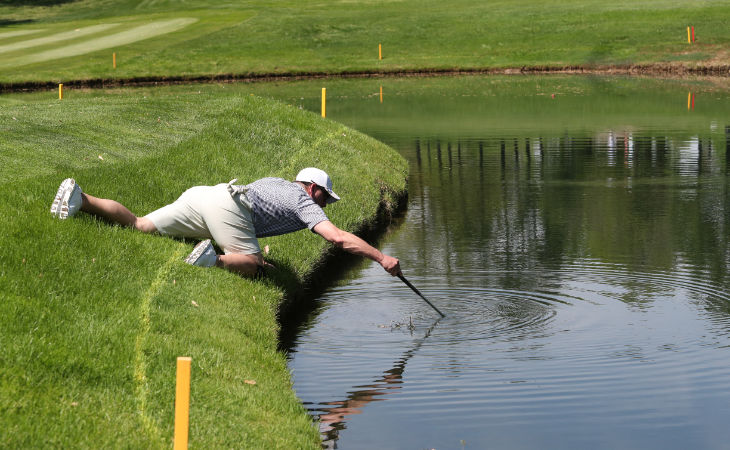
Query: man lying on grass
[234,216]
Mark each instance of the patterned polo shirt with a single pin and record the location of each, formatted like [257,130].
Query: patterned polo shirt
[279,206]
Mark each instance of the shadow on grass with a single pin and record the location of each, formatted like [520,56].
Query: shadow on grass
[34,2]
[9,22]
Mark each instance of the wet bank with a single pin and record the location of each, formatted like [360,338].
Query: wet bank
[648,70]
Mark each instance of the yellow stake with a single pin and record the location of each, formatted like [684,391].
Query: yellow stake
[689,41]
[182,402]
[324,102]
[60,91]
[114,59]
[381,94]
[689,100]
[380,51]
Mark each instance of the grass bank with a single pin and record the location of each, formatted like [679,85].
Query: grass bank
[93,316]
[62,41]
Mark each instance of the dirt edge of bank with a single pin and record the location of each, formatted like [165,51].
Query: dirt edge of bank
[655,70]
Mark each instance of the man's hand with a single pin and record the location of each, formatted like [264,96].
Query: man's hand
[390,264]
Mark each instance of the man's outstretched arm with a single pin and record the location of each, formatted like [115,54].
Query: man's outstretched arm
[353,244]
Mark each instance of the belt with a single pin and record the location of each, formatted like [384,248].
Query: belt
[238,192]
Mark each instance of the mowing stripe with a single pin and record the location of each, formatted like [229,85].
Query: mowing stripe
[139,33]
[140,363]
[9,34]
[65,36]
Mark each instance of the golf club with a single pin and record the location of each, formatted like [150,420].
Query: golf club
[408,283]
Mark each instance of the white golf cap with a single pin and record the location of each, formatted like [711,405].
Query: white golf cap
[321,179]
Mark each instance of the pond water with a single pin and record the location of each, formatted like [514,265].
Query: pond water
[575,233]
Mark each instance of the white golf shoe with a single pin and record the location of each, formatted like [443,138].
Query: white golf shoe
[203,255]
[68,199]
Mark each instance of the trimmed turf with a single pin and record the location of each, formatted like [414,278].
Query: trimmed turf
[93,316]
[202,37]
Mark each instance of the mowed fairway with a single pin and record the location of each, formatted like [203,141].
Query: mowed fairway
[97,37]
[287,37]
[82,49]
[52,39]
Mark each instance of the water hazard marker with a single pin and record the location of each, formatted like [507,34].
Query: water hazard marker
[324,102]
[182,402]
[693,34]
[381,94]
[380,51]
[114,59]
[60,91]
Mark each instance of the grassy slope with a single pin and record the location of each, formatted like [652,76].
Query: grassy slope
[92,316]
[287,36]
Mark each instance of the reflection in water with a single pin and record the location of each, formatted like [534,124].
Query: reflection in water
[621,196]
[333,415]
[645,155]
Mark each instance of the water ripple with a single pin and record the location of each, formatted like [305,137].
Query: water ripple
[642,344]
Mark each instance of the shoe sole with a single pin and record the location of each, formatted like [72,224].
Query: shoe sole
[60,208]
[197,252]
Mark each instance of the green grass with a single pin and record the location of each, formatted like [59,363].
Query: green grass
[256,37]
[93,316]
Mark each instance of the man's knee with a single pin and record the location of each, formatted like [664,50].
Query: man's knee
[245,264]
[243,258]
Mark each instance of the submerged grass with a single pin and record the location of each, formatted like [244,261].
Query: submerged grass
[257,37]
[93,315]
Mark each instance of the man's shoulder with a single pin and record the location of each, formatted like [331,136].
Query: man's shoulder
[272,183]
[271,180]
[276,188]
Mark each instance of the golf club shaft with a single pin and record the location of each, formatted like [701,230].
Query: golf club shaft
[408,283]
